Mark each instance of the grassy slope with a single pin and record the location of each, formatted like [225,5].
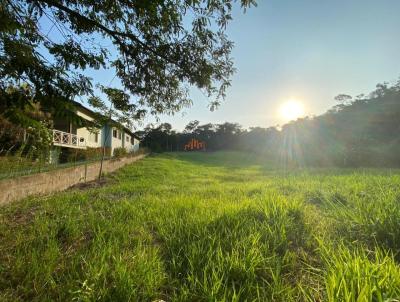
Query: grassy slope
[208,227]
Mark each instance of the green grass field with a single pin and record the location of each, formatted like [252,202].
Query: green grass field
[208,227]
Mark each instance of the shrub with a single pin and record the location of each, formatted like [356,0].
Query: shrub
[119,152]
[73,155]
[11,136]
[142,150]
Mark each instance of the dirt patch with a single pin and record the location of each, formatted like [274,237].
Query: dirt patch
[74,245]
[91,184]
[21,217]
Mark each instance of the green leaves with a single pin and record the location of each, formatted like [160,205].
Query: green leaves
[156,54]
[71,53]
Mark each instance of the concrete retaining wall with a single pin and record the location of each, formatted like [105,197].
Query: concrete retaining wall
[57,180]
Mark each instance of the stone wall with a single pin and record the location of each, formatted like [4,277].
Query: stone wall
[57,180]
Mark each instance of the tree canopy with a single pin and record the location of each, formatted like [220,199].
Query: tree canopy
[158,49]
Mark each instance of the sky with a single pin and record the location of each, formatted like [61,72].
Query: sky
[309,50]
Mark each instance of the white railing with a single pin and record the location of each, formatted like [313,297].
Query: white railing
[68,139]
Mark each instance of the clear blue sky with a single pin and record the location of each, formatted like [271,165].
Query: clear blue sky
[310,50]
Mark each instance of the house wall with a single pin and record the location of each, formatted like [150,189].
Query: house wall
[135,146]
[90,138]
[105,136]
[132,147]
[116,142]
[124,142]
[87,135]
[84,115]
[127,142]
[129,145]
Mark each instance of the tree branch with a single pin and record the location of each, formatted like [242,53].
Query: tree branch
[116,35]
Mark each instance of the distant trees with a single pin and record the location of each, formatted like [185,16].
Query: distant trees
[359,131]
[160,138]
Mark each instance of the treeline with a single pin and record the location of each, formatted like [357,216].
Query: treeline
[360,131]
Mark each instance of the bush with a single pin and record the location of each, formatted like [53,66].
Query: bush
[11,136]
[119,152]
[75,155]
[142,150]
[33,142]
[12,165]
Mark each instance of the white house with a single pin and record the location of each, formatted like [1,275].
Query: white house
[68,135]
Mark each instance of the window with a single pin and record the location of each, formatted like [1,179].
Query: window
[117,133]
[132,140]
[127,138]
[94,137]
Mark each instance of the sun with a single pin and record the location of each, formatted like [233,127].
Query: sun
[291,110]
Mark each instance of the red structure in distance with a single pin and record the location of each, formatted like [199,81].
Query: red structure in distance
[195,145]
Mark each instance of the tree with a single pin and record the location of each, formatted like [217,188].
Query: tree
[159,138]
[156,54]
[31,135]
[108,117]
[205,132]
[343,98]
[191,126]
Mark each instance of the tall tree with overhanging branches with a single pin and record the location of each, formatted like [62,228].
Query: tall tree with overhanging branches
[157,49]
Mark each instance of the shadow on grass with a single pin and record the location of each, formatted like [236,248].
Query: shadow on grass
[235,160]
[226,159]
[231,255]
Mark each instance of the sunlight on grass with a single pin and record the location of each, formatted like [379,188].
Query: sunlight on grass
[208,227]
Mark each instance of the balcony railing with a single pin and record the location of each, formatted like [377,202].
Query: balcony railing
[65,139]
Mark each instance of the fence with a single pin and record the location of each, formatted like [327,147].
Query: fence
[57,180]
[15,166]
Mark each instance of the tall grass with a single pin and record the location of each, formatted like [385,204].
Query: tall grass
[360,275]
[208,227]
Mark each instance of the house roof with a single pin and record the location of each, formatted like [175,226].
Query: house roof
[89,111]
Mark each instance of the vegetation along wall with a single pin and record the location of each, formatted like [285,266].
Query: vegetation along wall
[58,180]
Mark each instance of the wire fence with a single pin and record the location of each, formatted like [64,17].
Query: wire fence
[11,167]
[16,165]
